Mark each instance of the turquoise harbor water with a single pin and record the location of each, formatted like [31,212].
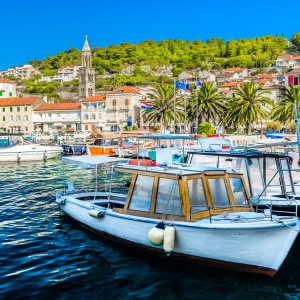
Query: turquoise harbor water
[43,255]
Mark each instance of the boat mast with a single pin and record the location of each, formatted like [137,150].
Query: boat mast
[297,125]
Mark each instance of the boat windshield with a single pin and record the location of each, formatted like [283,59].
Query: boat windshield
[197,196]
[168,200]
[238,191]
[141,197]
[218,192]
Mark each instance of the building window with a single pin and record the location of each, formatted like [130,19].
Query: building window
[10,109]
[25,118]
[10,94]
[18,118]
[3,109]
[40,116]
[3,118]
[114,102]
[1,93]
[102,105]
[18,109]
[49,115]
[26,128]
[86,117]
[94,105]
[100,116]
[86,127]
[11,118]
[93,117]
[126,114]
[25,108]
[296,80]
[50,125]
[78,115]
[58,114]
[126,102]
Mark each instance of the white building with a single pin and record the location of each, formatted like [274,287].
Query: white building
[16,114]
[64,73]
[242,72]
[53,117]
[287,61]
[23,72]
[7,88]
[93,113]
[206,76]
[227,76]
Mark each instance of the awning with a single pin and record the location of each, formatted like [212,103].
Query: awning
[57,124]
[93,161]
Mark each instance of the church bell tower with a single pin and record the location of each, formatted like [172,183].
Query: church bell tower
[86,73]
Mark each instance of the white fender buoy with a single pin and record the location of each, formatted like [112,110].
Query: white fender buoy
[169,239]
[96,213]
[156,234]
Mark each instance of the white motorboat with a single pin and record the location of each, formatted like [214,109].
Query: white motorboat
[268,175]
[13,147]
[208,208]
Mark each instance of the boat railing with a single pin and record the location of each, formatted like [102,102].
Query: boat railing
[280,172]
[269,205]
[235,217]
[227,214]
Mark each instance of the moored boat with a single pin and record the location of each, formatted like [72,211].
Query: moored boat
[212,219]
[13,147]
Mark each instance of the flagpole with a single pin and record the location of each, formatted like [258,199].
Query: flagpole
[185,106]
[197,113]
[174,106]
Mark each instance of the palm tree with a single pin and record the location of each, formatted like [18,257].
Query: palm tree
[162,101]
[283,110]
[211,104]
[247,105]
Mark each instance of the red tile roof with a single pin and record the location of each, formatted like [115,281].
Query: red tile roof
[226,74]
[95,98]
[124,90]
[63,101]
[17,101]
[294,71]
[264,76]
[4,80]
[235,69]
[59,106]
[231,84]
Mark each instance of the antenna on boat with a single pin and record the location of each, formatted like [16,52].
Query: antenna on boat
[110,184]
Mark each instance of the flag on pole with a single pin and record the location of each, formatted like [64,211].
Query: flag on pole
[182,86]
[200,84]
[145,105]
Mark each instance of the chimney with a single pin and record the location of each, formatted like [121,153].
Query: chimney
[45,98]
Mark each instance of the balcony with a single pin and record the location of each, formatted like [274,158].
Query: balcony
[126,107]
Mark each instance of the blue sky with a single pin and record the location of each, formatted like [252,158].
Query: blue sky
[36,29]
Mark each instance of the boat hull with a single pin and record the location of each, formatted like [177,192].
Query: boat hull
[74,149]
[257,249]
[28,155]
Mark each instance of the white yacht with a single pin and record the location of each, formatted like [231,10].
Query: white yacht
[14,147]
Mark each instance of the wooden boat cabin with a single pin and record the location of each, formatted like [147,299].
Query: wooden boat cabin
[186,193]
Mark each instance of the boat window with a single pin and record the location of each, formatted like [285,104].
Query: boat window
[141,196]
[218,192]
[197,195]
[168,200]
[238,191]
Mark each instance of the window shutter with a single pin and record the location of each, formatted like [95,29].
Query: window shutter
[291,79]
